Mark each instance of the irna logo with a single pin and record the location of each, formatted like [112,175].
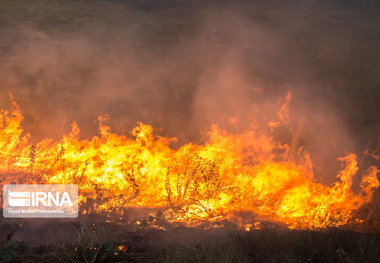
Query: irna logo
[40,200]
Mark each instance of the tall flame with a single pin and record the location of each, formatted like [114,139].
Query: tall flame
[247,171]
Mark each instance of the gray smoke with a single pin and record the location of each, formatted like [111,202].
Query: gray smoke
[182,66]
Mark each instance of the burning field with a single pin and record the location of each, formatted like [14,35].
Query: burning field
[230,173]
[223,132]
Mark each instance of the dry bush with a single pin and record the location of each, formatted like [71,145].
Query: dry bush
[191,184]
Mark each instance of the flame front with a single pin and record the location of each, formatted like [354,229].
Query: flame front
[248,171]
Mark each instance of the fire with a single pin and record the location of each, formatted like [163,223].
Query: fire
[247,171]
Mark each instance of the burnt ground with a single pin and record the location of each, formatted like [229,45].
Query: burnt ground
[92,240]
[326,52]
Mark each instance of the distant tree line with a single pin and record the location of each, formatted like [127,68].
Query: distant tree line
[163,4]
[327,3]
[348,3]
[153,4]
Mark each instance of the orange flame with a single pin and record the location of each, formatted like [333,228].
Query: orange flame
[247,171]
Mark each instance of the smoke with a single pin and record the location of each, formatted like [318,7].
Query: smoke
[187,66]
